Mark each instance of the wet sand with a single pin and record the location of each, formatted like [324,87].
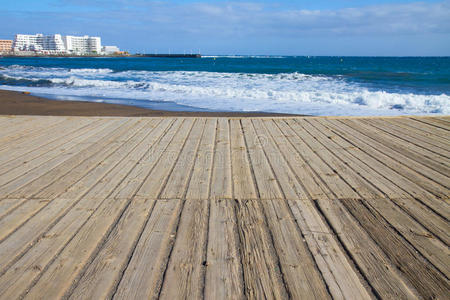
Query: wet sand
[19,103]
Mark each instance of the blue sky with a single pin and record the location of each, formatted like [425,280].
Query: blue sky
[289,27]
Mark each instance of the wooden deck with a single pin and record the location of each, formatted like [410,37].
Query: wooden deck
[303,208]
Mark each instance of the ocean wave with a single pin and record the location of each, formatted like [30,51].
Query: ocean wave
[283,92]
[8,80]
[243,56]
[95,71]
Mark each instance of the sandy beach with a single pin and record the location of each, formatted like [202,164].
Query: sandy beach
[18,103]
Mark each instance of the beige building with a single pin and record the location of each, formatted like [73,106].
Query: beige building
[5,46]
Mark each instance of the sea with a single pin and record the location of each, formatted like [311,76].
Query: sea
[321,86]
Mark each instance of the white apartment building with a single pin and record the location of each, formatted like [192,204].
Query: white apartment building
[24,42]
[82,44]
[55,44]
[39,42]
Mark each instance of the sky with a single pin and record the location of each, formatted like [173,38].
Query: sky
[253,27]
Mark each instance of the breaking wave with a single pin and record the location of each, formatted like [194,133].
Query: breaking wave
[284,92]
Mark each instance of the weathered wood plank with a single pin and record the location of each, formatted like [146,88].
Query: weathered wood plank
[340,276]
[95,187]
[330,154]
[8,205]
[442,127]
[439,202]
[156,181]
[185,273]
[243,183]
[199,185]
[314,188]
[430,128]
[30,208]
[378,175]
[406,167]
[221,185]
[224,277]
[427,280]
[72,170]
[21,156]
[47,155]
[56,275]
[404,127]
[303,140]
[17,280]
[445,119]
[424,157]
[62,271]
[74,152]
[411,141]
[260,264]
[176,185]
[102,275]
[44,141]
[65,268]
[253,208]
[25,128]
[381,274]
[299,271]
[159,233]
[422,129]
[432,249]
[143,276]
[290,186]
[143,131]
[337,156]
[140,172]
[267,183]
[11,123]
[423,241]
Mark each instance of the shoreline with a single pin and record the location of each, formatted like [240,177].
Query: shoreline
[20,103]
[40,55]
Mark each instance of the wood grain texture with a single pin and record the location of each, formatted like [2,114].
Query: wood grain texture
[224,208]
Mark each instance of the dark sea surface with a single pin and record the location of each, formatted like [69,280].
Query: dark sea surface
[303,85]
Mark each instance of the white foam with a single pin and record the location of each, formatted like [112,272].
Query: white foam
[96,71]
[242,56]
[285,93]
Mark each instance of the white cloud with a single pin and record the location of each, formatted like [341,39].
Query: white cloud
[249,18]
[239,25]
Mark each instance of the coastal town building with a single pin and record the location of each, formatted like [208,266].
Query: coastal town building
[39,43]
[82,44]
[110,50]
[57,44]
[25,42]
[5,46]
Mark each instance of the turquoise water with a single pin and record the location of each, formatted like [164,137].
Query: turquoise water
[307,85]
